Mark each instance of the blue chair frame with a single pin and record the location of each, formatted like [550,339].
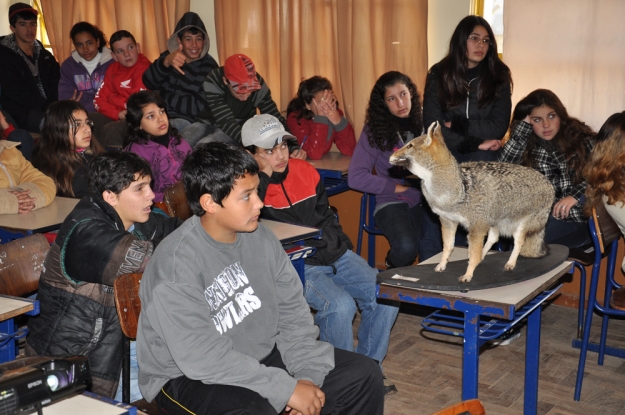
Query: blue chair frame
[605,235]
[367,224]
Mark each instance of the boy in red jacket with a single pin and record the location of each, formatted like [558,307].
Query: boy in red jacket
[122,79]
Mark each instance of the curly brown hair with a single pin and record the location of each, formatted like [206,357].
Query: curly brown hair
[382,129]
[605,170]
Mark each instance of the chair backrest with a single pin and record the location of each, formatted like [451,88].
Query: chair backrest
[469,407]
[177,203]
[128,303]
[21,263]
[607,230]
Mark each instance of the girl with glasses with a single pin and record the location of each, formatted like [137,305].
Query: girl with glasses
[66,148]
[468,92]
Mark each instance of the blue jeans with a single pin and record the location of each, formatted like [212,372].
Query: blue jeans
[331,290]
[191,132]
[135,393]
[570,234]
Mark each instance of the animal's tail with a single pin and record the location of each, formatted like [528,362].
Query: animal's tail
[534,246]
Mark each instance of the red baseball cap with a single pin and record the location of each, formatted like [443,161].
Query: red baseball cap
[21,8]
[241,73]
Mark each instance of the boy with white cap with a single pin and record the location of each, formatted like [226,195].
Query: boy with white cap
[337,280]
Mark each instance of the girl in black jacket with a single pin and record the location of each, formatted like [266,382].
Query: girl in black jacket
[468,92]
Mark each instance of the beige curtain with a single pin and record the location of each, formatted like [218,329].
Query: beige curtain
[150,21]
[351,42]
[572,47]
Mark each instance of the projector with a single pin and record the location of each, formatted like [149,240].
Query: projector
[26,385]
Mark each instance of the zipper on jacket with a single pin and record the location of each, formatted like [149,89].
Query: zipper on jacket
[11,183]
[468,94]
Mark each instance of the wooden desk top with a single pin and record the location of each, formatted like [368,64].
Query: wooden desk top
[513,295]
[41,220]
[288,233]
[12,307]
[332,161]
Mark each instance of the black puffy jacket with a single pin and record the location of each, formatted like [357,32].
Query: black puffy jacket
[77,306]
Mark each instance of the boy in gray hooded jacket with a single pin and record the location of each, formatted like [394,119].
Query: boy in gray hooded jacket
[179,73]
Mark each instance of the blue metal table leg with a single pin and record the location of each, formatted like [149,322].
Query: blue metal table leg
[7,350]
[471,355]
[532,352]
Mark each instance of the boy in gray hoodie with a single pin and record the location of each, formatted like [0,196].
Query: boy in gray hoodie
[179,73]
[224,326]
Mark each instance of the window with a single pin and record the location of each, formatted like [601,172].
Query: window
[42,33]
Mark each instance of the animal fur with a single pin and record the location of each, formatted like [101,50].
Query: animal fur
[485,198]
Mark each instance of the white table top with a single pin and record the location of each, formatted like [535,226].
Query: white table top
[332,161]
[82,404]
[12,306]
[41,220]
[288,233]
[515,295]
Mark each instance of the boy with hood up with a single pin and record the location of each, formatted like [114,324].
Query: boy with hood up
[179,73]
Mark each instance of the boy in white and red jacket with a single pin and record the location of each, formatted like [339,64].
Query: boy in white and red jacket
[122,79]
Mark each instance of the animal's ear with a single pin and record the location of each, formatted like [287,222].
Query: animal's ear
[434,131]
[431,130]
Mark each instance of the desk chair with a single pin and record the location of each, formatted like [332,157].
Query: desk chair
[176,201]
[468,407]
[22,262]
[367,224]
[605,235]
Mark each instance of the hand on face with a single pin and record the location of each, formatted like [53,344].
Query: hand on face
[324,103]
[3,122]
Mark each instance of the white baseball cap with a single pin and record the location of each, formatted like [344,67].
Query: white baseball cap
[264,131]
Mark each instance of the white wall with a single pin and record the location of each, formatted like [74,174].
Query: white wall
[443,17]
[4,15]
[206,10]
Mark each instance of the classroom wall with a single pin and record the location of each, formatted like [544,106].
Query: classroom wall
[4,15]
[443,16]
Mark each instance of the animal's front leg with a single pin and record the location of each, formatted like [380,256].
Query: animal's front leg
[448,229]
[476,243]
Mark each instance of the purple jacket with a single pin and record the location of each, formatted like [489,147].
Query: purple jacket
[75,77]
[165,162]
[382,184]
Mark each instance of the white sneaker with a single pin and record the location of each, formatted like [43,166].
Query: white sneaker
[506,338]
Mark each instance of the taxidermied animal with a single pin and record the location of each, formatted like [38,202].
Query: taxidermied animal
[484,197]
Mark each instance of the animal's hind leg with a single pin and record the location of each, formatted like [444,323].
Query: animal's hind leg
[519,239]
[493,236]
[476,243]
[448,229]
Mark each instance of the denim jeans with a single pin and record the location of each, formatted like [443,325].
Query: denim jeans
[135,393]
[331,290]
[191,132]
[570,234]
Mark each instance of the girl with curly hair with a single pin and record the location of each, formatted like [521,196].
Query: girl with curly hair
[394,118]
[605,171]
[543,136]
[468,92]
[315,119]
[151,136]
[66,148]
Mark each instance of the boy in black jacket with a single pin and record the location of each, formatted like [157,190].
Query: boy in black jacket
[109,233]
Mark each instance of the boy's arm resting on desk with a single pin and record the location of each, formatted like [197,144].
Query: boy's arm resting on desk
[304,356]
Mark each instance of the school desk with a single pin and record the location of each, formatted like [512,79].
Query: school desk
[292,237]
[332,168]
[49,218]
[509,304]
[11,307]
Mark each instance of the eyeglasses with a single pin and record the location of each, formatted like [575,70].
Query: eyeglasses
[79,124]
[485,41]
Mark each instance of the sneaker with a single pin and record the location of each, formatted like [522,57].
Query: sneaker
[506,338]
[389,388]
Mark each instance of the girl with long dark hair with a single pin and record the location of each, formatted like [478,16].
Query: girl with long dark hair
[151,136]
[315,119]
[545,137]
[469,92]
[394,118]
[66,148]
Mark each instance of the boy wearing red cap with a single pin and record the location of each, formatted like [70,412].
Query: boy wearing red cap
[234,92]
[29,74]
